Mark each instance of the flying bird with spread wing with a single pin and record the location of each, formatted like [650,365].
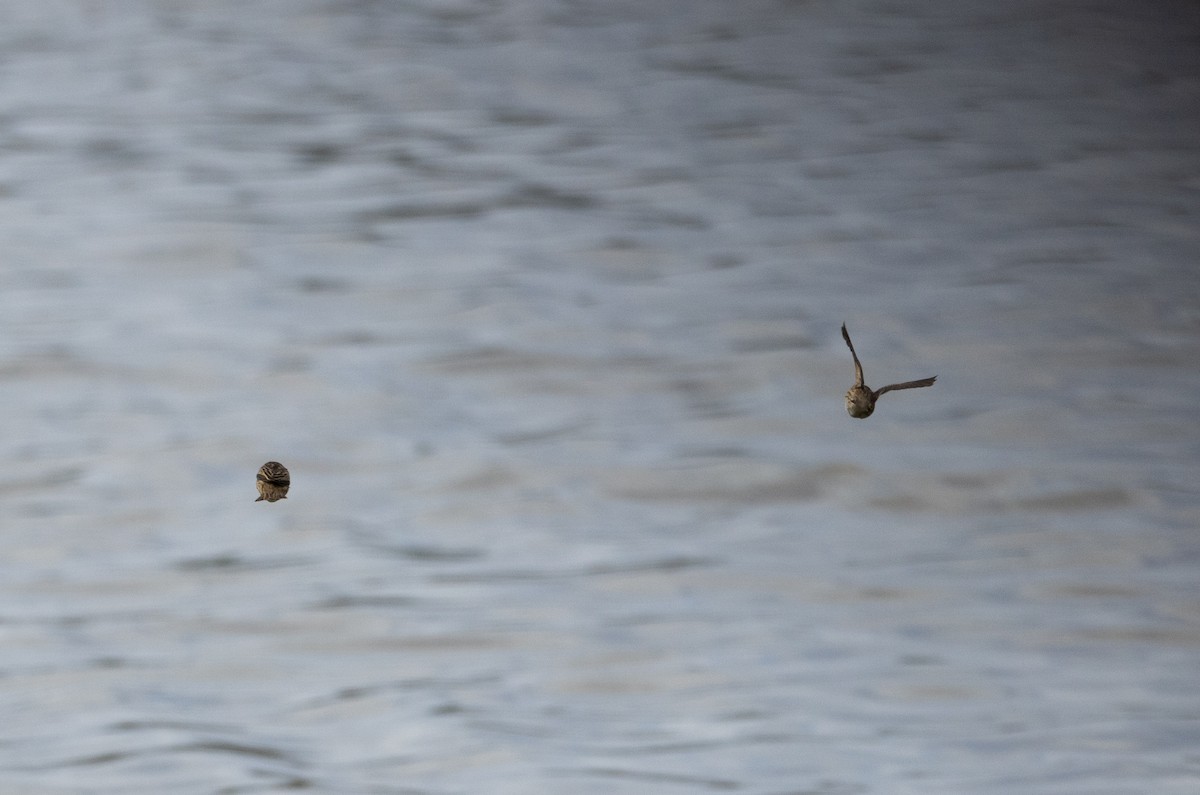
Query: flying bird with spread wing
[860,400]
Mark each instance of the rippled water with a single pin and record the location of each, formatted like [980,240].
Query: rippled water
[539,301]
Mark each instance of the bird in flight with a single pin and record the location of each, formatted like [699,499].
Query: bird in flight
[273,482]
[860,400]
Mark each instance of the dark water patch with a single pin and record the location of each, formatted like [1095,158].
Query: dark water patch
[522,117]
[94,760]
[321,284]
[667,564]
[49,479]
[1001,164]
[920,660]
[965,495]
[458,12]
[416,211]
[706,746]
[732,130]
[403,157]
[377,540]
[317,153]
[45,278]
[620,243]
[581,14]
[442,166]
[226,561]
[571,142]
[901,503]
[234,562]
[723,480]
[501,359]
[430,554]
[835,168]
[673,563]
[656,779]
[488,478]
[354,601]
[439,554]
[706,451]
[114,151]
[451,139]
[246,120]
[663,175]
[708,66]
[286,783]
[518,438]
[827,787]
[79,620]
[928,135]
[515,729]
[290,363]
[1064,218]
[875,67]
[720,262]
[858,231]
[657,217]
[171,725]
[539,195]
[1136,636]
[768,344]
[407,686]
[351,338]
[967,481]
[237,749]
[702,398]
[767,336]
[1079,500]
[200,746]
[631,620]
[1085,590]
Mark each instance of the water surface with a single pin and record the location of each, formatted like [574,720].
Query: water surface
[539,302]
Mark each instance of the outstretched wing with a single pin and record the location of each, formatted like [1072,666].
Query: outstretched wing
[858,374]
[905,385]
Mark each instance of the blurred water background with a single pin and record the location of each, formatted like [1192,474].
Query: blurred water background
[539,301]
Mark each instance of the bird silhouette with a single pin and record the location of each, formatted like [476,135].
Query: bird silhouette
[273,482]
[860,400]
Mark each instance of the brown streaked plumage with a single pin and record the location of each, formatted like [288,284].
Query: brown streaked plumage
[273,482]
[860,400]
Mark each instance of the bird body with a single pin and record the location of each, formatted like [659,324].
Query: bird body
[860,399]
[273,482]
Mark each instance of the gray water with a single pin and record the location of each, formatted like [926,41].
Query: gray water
[539,301]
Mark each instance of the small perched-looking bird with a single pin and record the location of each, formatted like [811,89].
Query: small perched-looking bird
[860,400]
[273,482]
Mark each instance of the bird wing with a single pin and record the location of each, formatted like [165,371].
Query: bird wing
[858,373]
[905,385]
